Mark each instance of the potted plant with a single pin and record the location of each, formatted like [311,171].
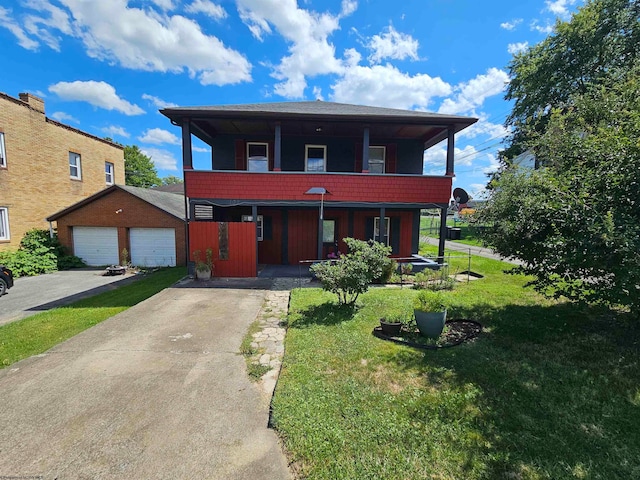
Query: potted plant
[204,268]
[392,324]
[430,311]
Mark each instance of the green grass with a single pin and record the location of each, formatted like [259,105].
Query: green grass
[469,234]
[549,390]
[38,333]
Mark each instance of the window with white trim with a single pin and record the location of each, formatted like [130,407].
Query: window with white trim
[75,169]
[108,173]
[376,230]
[376,159]
[4,224]
[315,158]
[257,157]
[3,151]
[259,225]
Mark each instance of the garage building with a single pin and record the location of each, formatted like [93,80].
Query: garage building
[150,224]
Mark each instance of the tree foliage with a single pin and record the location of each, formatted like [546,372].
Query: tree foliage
[139,170]
[576,222]
[353,272]
[599,45]
[171,180]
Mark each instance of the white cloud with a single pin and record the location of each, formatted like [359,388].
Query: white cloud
[162,159]
[559,7]
[392,44]
[98,94]
[159,136]
[317,93]
[144,39]
[515,48]
[116,131]
[40,26]
[386,86]
[310,52]
[64,117]
[484,127]
[10,24]
[478,191]
[348,7]
[164,4]
[512,25]
[437,156]
[158,102]
[473,93]
[544,29]
[208,8]
[200,149]
[493,166]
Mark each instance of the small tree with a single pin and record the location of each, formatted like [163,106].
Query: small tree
[352,273]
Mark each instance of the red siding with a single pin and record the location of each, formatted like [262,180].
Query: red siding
[242,247]
[343,187]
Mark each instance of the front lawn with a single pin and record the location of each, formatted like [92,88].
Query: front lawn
[548,391]
[40,332]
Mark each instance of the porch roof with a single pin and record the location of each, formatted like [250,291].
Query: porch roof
[317,118]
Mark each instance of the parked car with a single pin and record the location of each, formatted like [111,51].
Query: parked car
[6,279]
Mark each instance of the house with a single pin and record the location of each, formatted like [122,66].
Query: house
[286,182]
[46,165]
[149,224]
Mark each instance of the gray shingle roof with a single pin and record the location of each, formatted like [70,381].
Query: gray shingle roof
[316,108]
[172,203]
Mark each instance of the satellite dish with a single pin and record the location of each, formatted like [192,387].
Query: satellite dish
[460,196]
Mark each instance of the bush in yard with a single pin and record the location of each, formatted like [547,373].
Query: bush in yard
[38,253]
[352,273]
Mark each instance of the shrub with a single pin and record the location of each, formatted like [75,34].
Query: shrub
[434,279]
[427,301]
[352,273]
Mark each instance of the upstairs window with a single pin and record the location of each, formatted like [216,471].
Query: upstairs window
[315,158]
[108,173]
[3,155]
[259,225]
[4,224]
[257,157]
[376,159]
[75,169]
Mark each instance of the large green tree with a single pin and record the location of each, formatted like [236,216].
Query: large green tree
[575,222]
[598,46]
[139,170]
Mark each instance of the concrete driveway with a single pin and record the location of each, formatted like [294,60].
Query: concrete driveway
[158,391]
[31,295]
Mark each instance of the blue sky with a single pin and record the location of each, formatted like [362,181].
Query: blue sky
[106,67]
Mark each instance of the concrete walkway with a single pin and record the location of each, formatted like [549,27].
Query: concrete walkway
[158,391]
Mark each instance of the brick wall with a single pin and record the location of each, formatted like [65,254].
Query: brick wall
[36,182]
[135,213]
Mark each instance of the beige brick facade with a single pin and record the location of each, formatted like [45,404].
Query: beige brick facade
[36,180]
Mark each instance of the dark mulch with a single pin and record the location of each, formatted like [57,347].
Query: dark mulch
[456,332]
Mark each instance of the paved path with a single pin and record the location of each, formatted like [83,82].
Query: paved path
[159,391]
[464,248]
[31,295]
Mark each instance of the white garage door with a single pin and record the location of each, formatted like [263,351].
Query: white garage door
[96,245]
[153,247]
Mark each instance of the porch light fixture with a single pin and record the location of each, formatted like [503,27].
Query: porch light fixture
[322,192]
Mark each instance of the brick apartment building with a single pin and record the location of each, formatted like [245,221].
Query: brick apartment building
[46,166]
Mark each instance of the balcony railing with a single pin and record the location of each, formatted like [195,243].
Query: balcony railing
[342,187]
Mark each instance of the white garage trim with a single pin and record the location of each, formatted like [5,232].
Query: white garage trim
[153,247]
[96,245]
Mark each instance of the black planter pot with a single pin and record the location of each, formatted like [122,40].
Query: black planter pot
[390,328]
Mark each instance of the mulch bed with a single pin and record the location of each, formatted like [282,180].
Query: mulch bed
[456,332]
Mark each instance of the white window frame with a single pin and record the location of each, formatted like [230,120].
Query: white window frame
[4,224]
[376,229]
[109,173]
[306,158]
[384,158]
[266,158]
[3,152]
[259,225]
[78,165]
